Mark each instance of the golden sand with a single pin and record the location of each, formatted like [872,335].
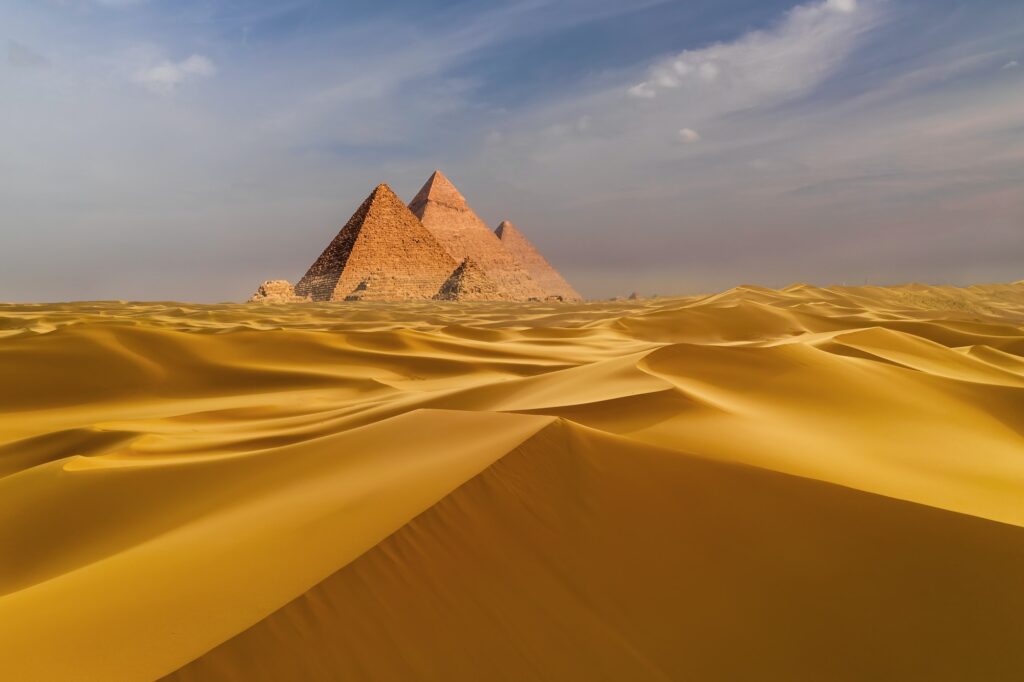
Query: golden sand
[806,484]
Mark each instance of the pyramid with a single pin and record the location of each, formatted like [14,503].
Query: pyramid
[444,211]
[516,243]
[382,254]
[470,283]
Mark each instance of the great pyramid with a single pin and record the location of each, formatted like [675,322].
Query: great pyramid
[444,211]
[382,254]
[470,283]
[516,243]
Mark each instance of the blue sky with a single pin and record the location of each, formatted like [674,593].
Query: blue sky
[189,149]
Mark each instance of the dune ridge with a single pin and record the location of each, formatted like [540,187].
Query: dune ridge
[773,484]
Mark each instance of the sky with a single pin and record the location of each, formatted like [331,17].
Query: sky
[190,149]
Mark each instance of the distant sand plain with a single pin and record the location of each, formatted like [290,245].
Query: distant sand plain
[805,484]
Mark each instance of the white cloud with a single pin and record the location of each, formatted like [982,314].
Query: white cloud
[688,136]
[791,58]
[666,79]
[844,6]
[642,91]
[709,71]
[1011,65]
[166,76]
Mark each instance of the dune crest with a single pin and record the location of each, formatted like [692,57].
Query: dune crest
[812,482]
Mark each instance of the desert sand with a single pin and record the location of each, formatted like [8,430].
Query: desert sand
[802,484]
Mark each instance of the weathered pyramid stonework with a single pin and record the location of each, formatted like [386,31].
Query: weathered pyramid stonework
[470,283]
[382,254]
[516,243]
[444,211]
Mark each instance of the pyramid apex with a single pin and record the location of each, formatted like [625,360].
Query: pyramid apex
[439,176]
[381,195]
[438,188]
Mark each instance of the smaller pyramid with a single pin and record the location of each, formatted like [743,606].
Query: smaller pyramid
[382,254]
[469,283]
[538,267]
[444,212]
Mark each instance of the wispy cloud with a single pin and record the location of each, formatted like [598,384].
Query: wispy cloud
[643,91]
[764,66]
[757,71]
[165,76]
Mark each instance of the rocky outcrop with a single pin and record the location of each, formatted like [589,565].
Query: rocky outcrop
[277,291]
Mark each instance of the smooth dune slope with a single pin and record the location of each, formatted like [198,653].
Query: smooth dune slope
[798,484]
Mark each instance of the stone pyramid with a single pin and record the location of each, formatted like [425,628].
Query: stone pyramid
[382,254]
[444,211]
[516,243]
[470,283]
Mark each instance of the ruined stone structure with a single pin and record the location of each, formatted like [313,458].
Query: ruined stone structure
[516,243]
[470,283]
[444,211]
[276,291]
[435,248]
[382,254]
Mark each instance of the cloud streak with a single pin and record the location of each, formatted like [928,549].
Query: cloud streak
[166,76]
[764,67]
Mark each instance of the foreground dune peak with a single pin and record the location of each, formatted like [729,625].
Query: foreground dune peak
[805,483]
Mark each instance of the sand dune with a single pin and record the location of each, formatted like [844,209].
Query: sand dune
[807,483]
